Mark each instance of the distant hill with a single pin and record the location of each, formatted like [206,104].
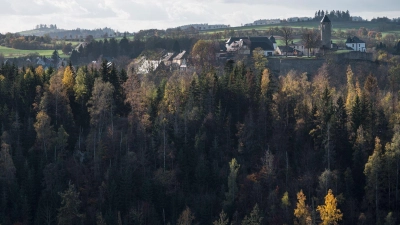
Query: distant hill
[71,34]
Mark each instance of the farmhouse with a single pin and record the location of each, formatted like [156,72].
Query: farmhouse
[282,50]
[245,45]
[355,44]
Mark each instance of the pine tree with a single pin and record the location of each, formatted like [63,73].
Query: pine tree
[186,217]
[68,213]
[222,220]
[254,218]
[232,186]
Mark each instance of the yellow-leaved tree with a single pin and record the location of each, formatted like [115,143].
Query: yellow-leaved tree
[68,79]
[329,212]
[301,212]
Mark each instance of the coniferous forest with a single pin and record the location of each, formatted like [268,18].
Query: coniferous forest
[235,144]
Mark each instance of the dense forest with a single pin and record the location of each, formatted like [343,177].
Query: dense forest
[235,144]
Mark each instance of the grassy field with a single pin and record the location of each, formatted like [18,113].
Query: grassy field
[11,52]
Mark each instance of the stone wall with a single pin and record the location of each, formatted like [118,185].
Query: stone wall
[311,65]
[353,55]
[302,65]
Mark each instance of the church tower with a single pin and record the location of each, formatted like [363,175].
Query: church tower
[326,32]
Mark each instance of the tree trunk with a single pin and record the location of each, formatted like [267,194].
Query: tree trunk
[164,146]
[397,181]
[376,197]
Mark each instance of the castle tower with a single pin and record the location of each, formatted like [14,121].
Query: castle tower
[326,32]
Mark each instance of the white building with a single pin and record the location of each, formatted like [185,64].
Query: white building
[263,22]
[266,22]
[180,58]
[298,19]
[145,66]
[300,47]
[246,45]
[355,44]
[204,26]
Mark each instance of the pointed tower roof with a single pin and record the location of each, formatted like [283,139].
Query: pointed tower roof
[325,19]
[272,38]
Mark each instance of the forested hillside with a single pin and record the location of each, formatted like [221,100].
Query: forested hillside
[231,145]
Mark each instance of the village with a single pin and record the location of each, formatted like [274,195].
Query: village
[319,45]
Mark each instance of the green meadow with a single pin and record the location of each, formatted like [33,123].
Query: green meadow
[11,52]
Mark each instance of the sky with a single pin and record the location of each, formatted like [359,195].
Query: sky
[134,15]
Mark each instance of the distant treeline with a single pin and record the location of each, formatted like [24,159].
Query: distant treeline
[333,15]
[112,48]
[28,42]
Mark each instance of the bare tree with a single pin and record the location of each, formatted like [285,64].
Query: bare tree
[287,34]
[311,39]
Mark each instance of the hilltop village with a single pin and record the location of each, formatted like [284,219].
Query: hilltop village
[317,45]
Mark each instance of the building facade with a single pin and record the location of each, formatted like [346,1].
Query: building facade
[356,44]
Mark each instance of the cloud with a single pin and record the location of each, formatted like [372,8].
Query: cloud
[370,5]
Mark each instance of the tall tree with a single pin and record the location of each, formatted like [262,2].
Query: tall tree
[68,79]
[260,60]
[302,213]
[329,213]
[69,213]
[222,220]
[44,131]
[186,217]
[203,53]
[392,156]
[373,169]
[232,186]
[254,218]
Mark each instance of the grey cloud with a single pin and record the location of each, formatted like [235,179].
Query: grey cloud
[351,5]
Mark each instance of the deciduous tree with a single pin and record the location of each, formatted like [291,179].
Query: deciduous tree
[329,213]
[302,213]
[287,35]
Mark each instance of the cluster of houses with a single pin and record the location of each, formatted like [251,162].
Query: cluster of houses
[203,26]
[263,22]
[245,45]
[299,19]
[49,62]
